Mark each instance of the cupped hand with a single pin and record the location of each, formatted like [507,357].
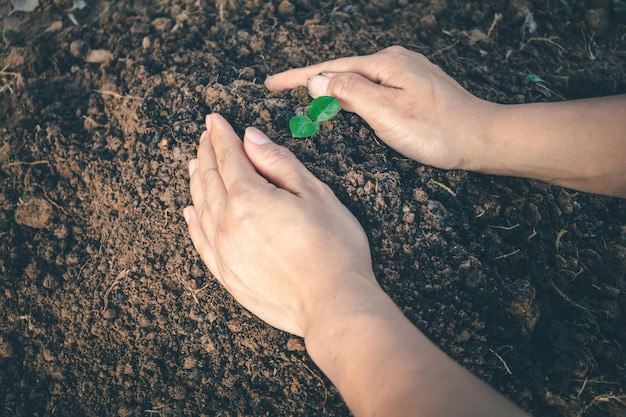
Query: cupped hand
[274,235]
[411,104]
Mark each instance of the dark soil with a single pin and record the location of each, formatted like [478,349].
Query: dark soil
[106,309]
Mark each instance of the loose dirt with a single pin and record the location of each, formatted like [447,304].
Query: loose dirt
[105,308]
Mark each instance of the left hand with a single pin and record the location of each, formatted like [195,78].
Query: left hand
[273,234]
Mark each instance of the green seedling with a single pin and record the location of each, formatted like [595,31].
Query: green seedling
[321,109]
[438,184]
[109,6]
[567,8]
[536,79]
[442,186]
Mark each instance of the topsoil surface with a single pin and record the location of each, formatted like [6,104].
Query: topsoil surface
[106,309]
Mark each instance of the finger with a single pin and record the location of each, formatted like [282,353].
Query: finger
[276,163]
[205,182]
[376,104]
[200,240]
[352,90]
[297,77]
[232,162]
[378,68]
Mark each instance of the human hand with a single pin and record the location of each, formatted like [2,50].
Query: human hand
[274,235]
[411,104]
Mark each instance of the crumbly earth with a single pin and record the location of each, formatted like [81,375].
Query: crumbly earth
[105,308]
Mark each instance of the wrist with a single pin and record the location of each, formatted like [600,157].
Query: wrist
[335,313]
[348,329]
[481,136]
[523,140]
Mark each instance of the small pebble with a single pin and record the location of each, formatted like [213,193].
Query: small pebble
[286,9]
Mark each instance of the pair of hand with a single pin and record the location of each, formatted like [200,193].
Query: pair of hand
[274,235]
[283,245]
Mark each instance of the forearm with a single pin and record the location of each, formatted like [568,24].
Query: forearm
[579,144]
[383,365]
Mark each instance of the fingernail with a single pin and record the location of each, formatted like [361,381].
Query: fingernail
[207,122]
[203,136]
[193,166]
[318,84]
[186,214]
[255,136]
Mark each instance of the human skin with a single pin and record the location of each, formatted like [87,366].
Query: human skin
[424,114]
[283,245]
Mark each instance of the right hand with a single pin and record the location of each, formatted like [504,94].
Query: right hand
[411,104]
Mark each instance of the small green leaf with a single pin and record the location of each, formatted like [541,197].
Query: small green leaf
[302,127]
[536,79]
[324,108]
[567,8]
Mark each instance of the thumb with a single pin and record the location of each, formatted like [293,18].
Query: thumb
[372,101]
[276,163]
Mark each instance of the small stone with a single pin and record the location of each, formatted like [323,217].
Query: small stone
[177,393]
[464,336]
[189,363]
[598,20]
[5,349]
[531,214]
[55,26]
[90,124]
[286,9]
[125,411]
[35,213]
[163,143]
[77,48]
[565,203]
[247,73]
[428,22]
[162,24]
[523,303]
[98,56]
[25,5]
[47,355]
[476,36]
[294,344]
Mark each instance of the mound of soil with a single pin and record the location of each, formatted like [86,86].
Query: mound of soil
[106,309]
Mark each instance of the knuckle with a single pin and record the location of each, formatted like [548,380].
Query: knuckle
[282,163]
[399,55]
[203,212]
[276,154]
[395,50]
[223,154]
[241,202]
[320,187]
[343,85]
[210,175]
